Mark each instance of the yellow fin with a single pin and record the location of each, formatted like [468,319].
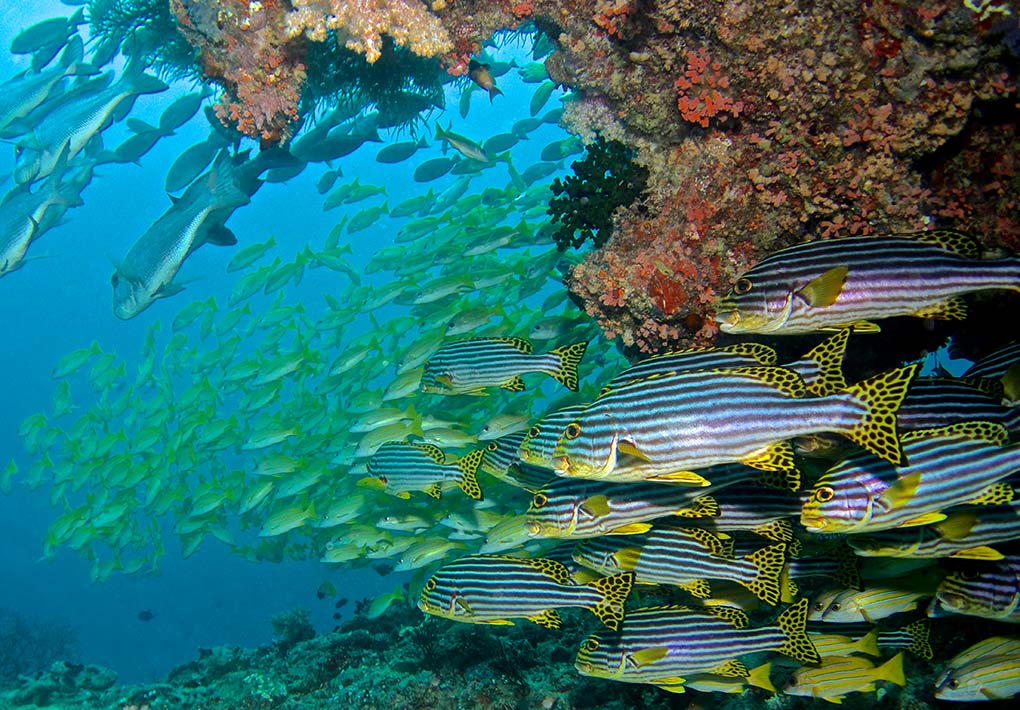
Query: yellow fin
[675,685]
[919,632]
[957,526]
[951,240]
[798,645]
[731,669]
[991,432]
[614,591]
[882,395]
[548,619]
[697,587]
[903,490]
[737,617]
[570,356]
[514,384]
[786,381]
[712,542]
[762,353]
[467,466]
[824,290]
[702,507]
[892,670]
[519,344]
[627,557]
[628,449]
[759,677]
[649,655]
[496,622]
[925,519]
[950,309]
[596,506]
[433,490]
[981,552]
[822,366]
[777,456]
[686,478]
[995,494]
[631,529]
[768,562]
[868,643]
[556,571]
[787,480]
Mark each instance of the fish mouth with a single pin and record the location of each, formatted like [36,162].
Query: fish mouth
[814,523]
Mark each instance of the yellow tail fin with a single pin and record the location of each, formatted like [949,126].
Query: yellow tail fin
[570,357]
[882,396]
[467,465]
[798,645]
[892,670]
[769,562]
[822,365]
[614,591]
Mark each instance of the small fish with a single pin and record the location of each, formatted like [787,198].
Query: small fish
[286,519]
[503,424]
[834,283]
[409,466]
[250,254]
[957,464]
[541,97]
[845,606]
[837,677]
[492,589]
[399,152]
[465,146]
[433,169]
[988,670]
[469,366]
[146,615]
[480,74]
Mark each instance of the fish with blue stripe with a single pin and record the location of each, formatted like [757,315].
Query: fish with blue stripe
[663,645]
[835,283]
[674,424]
[405,466]
[470,366]
[492,589]
[990,590]
[954,465]
[988,670]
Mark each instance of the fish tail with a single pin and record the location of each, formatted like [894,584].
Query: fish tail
[467,465]
[569,357]
[826,362]
[798,645]
[919,632]
[494,92]
[759,677]
[892,670]
[868,643]
[614,592]
[768,563]
[881,395]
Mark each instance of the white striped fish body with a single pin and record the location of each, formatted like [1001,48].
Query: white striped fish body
[662,645]
[846,606]
[694,420]
[405,467]
[954,465]
[839,282]
[687,558]
[836,677]
[469,366]
[988,670]
[540,441]
[570,509]
[990,591]
[964,534]
[492,589]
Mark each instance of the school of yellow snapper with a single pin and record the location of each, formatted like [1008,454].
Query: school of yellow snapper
[714,481]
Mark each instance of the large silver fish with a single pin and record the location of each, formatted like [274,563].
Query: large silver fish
[834,283]
[76,118]
[147,272]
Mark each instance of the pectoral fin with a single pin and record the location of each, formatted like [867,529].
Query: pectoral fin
[823,290]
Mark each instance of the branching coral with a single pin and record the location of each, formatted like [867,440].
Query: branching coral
[584,203]
[361,24]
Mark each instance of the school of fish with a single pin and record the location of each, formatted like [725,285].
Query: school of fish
[440,407]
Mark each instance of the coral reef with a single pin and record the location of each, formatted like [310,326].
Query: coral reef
[30,645]
[767,123]
[584,203]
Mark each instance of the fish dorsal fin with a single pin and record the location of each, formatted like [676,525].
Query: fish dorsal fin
[702,507]
[647,656]
[430,450]
[950,240]
[762,353]
[434,490]
[514,384]
[976,430]
[823,290]
[825,361]
[957,526]
[699,588]
[777,457]
[551,568]
[784,479]
[786,381]
[919,632]
[517,344]
[777,530]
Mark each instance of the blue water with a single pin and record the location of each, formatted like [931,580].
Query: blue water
[63,302]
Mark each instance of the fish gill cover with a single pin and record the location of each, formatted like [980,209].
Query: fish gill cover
[332,397]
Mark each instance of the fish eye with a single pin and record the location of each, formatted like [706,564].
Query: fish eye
[430,585]
[492,447]
[539,500]
[819,606]
[572,431]
[742,286]
[591,645]
[969,575]
[824,494]
[954,684]
[534,431]
[835,606]
[114,279]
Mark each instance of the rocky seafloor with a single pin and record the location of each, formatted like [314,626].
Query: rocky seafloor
[402,660]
